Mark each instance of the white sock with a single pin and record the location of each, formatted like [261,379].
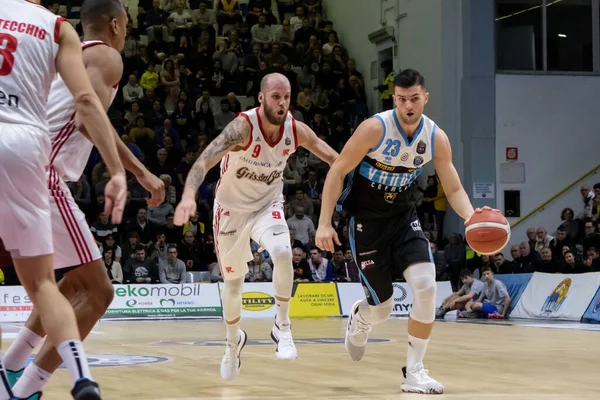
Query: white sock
[416,351]
[19,351]
[73,355]
[33,380]
[233,332]
[283,313]
[5,392]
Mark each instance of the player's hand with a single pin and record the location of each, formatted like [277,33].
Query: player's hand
[115,196]
[155,186]
[326,237]
[480,210]
[185,209]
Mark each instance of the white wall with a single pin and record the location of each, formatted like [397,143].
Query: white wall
[554,121]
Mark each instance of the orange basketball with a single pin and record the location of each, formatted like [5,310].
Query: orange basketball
[487,232]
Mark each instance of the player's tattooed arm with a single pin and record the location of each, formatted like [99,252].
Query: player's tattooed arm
[235,136]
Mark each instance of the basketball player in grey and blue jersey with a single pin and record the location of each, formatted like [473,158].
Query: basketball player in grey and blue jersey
[382,159]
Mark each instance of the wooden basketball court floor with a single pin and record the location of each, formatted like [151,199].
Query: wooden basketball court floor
[174,360]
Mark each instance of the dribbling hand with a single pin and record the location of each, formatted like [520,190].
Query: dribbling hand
[185,209]
[326,237]
[479,210]
[115,196]
[155,186]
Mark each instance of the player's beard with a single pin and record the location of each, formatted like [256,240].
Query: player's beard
[273,117]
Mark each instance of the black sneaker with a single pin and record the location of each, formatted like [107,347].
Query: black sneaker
[440,313]
[86,389]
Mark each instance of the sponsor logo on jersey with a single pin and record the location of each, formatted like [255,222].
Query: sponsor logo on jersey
[418,161]
[9,100]
[256,163]
[288,141]
[257,301]
[228,233]
[385,167]
[415,225]
[384,179]
[390,197]
[421,147]
[286,152]
[359,227]
[229,270]
[366,253]
[404,156]
[253,176]
[366,263]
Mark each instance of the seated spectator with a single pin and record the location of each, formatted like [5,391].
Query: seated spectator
[470,291]
[305,79]
[527,260]
[169,77]
[204,20]
[494,300]
[297,21]
[300,200]
[182,21]
[259,270]
[102,228]
[570,224]
[285,38]
[228,12]
[147,103]
[82,193]
[275,60]
[441,272]
[234,105]
[262,34]
[302,225]
[174,156]
[170,191]
[109,243]
[172,270]
[145,228]
[570,265]
[132,92]
[158,215]
[320,267]
[343,271]
[546,262]
[591,261]
[134,148]
[166,130]
[302,271]
[141,135]
[591,239]
[332,41]
[113,268]
[160,166]
[542,239]
[129,246]
[205,114]
[320,101]
[140,269]
[195,226]
[502,265]
[137,191]
[182,120]
[157,115]
[185,166]
[291,176]
[587,202]
[191,251]
[559,242]
[313,189]
[224,117]
[226,55]
[295,243]
[132,115]
[156,27]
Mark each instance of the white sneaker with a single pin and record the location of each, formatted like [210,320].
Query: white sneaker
[357,334]
[417,380]
[231,364]
[282,336]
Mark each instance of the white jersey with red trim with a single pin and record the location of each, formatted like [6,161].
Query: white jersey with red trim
[252,178]
[29,36]
[70,149]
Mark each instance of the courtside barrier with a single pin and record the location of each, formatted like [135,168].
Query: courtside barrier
[515,284]
[557,296]
[352,292]
[592,314]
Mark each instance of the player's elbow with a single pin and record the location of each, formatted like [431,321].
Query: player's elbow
[86,103]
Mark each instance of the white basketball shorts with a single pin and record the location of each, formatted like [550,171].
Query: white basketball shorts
[233,232]
[74,243]
[25,226]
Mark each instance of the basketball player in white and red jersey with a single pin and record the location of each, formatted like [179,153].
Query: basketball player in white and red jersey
[85,283]
[253,150]
[34,45]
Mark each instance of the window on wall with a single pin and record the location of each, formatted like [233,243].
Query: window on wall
[519,32]
[547,36]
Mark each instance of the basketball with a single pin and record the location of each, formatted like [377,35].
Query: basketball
[487,232]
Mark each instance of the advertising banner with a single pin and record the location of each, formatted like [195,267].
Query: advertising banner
[349,294]
[314,300]
[258,300]
[592,314]
[15,305]
[403,297]
[187,300]
[557,296]
[515,284]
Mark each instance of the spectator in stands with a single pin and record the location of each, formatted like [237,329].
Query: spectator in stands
[515,253]
[171,5]
[546,262]
[146,229]
[528,258]
[542,239]
[332,41]
[259,270]
[570,224]
[103,227]
[132,115]
[191,251]
[170,191]
[596,209]
[570,265]
[591,239]
[344,271]
[313,189]
[264,8]
[295,243]
[150,97]
[140,269]
[173,233]
[502,265]
[275,60]
[303,226]
[161,166]
[494,300]
[195,226]
[297,21]
[172,270]
[305,40]
[158,215]
[305,79]
[182,21]
[203,20]
[224,117]
[113,268]
[234,104]
[262,34]
[228,58]
[133,240]
[141,135]
[531,238]
[186,164]
[320,267]
[285,37]
[588,201]
[132,92]
[300,200]
[455,256]
[591,261]
[469,292]
[559,242]
[228,12]
[82,193]
[440,264]
[109,243]
[156,27]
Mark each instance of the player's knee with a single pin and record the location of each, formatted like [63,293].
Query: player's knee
[281,256]
[421,279]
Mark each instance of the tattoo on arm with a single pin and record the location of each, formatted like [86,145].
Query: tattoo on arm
[235,134]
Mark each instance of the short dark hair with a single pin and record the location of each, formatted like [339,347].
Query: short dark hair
[597,186]
[499,254]
[171,246]
[561,228]
[315,248]
[139,247]
[160,233]
[409,78]
[100,11]
[485,269]
[465,272]
[169,215]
